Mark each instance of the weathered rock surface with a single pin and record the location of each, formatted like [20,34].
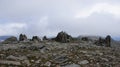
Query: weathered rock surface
[104,41]
[36,39]
[11,40]
[63,37]
[55,54]
[45,38]
[22,37]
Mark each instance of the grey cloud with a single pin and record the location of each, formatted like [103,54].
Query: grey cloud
[60,16]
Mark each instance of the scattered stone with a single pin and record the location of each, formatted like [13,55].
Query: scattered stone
[11,57]
[83,62]
[26,62]
[72,65]
[7,62]
[38,61]
[60,59]
[48,64]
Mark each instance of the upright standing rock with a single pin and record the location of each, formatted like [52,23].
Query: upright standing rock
[108,41]
[36,39]
[45,38]
[63,37]
[22,37]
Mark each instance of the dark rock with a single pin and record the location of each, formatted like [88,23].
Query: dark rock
[108,41]
[22,37]
[11,40]
[45,38]
[36,39]
[104,42]
[84,39]
[63,37]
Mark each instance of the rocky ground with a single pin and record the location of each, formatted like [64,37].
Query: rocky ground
[55,54]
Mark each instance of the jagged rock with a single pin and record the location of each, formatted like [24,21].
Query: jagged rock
[63,37]
[108,41]
[45,38]
[104,42]
[100,42]
[22,37]
[36,39]
[10,40]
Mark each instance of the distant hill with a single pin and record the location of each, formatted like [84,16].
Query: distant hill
[2,38]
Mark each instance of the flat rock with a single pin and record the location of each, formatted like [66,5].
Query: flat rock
[83,62]
[10,62]
[72,65]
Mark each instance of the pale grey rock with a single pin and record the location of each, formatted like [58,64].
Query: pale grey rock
[83,62]
[48,64]
[72,65]
[7,62]
[11,57]
[26,62]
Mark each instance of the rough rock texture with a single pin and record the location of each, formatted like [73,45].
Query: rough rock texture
[22,37]
[63,37]
[84,39]
[11,40]
[104,42]
[45,38]
[36,39]
[108,41]
[55,54]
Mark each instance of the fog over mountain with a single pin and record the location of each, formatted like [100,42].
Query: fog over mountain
[48,17]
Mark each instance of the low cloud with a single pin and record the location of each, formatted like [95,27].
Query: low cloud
[77,17]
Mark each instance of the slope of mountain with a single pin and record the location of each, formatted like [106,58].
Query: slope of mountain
[2,38]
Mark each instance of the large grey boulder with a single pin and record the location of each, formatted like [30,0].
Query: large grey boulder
[36,39]
[22,37]
[108,41]
[63,37]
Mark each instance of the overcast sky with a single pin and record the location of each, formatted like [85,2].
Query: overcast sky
[48,17]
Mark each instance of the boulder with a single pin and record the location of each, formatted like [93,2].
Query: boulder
[84,39]
[108,41]
[63,37]
[22,37]
[104,41]
[36,39]
[45,38]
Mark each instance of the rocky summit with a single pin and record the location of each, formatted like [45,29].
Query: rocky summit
[60,51]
